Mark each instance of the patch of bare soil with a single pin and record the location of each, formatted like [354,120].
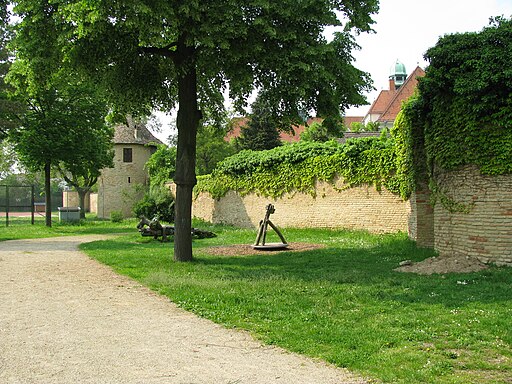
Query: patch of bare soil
[246,249]
[443,264]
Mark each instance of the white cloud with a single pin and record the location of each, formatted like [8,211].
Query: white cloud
[405,29]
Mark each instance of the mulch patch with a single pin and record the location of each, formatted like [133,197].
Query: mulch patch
[246,249]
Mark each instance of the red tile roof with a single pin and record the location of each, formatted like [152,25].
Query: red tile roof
[381,102]
[239,122]
[348,120]
[236,127]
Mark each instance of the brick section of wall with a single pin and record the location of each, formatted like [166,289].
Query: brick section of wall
[421,219]
[94,203]
[486,231]
[353,208]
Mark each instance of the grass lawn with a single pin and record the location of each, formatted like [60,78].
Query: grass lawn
[343,303]
[20,227]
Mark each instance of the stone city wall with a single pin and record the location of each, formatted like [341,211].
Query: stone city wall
[485,231]
[70,199]
[354,208]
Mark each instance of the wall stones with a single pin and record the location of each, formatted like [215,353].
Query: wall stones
[485,231]
[355,208]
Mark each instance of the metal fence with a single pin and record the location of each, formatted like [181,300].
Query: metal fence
[16,200]
[22,202]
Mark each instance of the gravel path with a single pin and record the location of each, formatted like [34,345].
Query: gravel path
[65,318]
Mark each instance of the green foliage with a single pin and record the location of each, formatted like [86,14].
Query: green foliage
[278,46]
[318,132]
[297,167]
[211,148]
[404,145]
[116,216]
[157,202]
[161,166]
[8,108]
[371,126]
[7,159]
[465,104]
[261,131]
[462,113]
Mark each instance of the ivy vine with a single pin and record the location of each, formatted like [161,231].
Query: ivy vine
[462,114]
[297,168]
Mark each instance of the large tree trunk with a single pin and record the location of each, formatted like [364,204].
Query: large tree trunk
[48,194]
[81,201]
[185,177]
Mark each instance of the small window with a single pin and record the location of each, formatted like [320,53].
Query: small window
[129,179]
[127,155]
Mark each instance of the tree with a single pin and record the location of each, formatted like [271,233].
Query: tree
[262,129]
[9,109]
[212,148]
[63,127]
[7,159]
[162,53]
[161,166]
[90,150]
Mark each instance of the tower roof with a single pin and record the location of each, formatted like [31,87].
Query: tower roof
[134,133]
[397,68]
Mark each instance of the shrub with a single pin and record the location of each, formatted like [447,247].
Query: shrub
[157,202]
[116,216]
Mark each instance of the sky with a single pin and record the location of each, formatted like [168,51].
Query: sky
[405,30]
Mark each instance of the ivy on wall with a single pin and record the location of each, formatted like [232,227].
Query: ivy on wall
[297,167]
[462,113]
[464,104]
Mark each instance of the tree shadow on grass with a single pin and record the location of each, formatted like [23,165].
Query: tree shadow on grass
[373,266]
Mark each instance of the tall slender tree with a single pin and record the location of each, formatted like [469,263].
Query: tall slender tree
[164,52]
[262,129]
[9,108]
[63,127]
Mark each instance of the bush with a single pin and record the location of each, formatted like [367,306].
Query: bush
[116,216]
[157,202]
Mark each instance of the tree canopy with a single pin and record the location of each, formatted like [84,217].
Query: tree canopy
[161,53]
[8,107]
[63,127]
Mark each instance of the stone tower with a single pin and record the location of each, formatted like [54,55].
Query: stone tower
[120,187]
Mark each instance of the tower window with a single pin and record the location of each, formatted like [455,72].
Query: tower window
[127,155]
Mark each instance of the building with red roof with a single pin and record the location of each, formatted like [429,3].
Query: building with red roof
[386,106]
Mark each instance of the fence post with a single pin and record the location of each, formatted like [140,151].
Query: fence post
[6,205]
[32,203]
